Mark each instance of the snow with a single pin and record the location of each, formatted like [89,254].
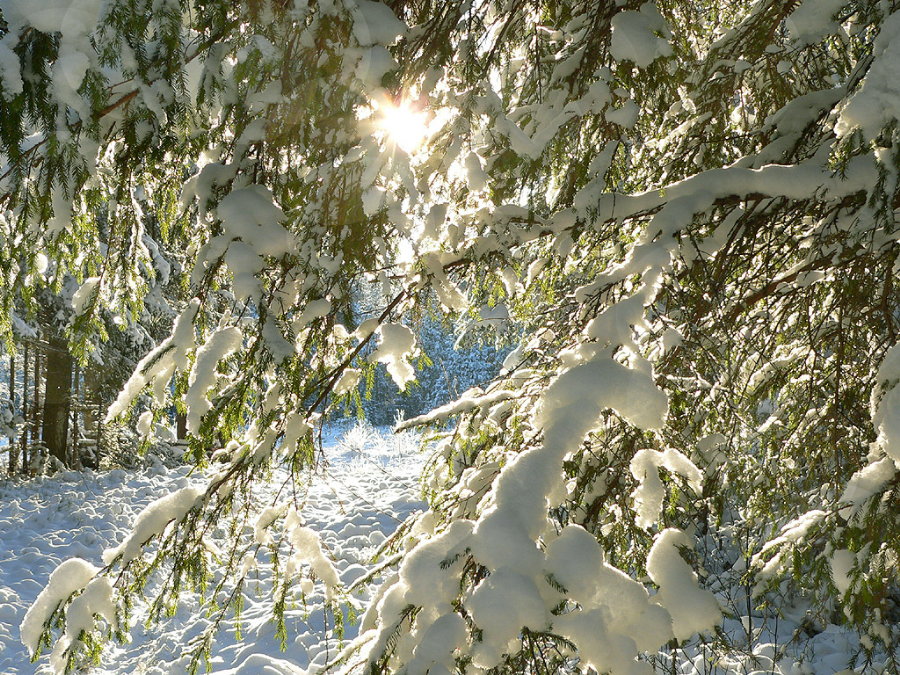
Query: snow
[877,101]
[203,375]
[613,326]
[70,69]
[245,264]
[152,521]
[251,214]
[885,403]
[606,369]
[505,538]
[434,654]
[75,20]
[842,562]
[347,381]
[504,603]
[813,19]
[417,568]
[396,345]
[45,520]
[599,647]
[315,309]
[96,599]
[144,424]
[692,609]
[158,366]
[869,481]
[85,295]
[71,576]
[70,17]
[650,493]
[251,229]
[793,532]
[573,403]
[376,24]
[608,597]
[368,489]
[308,547]
[476,177]
[625,116]
[10,72]
[260,530]
[634,36]
[373,62]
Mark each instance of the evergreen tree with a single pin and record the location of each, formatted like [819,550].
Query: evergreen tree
[689,207]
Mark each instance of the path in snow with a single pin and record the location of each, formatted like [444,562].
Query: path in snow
[369,487]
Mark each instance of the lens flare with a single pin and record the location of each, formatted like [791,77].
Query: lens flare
[405,125]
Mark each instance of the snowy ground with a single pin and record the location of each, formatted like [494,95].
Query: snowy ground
[368,489]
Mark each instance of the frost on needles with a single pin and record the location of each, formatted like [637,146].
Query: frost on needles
[685,214]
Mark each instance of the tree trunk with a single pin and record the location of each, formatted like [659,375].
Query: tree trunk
[57,397]
[13,442]
[27,432]
[92,413]
[75,454]
[180,426]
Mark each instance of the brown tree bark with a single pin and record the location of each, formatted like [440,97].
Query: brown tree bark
[13,442]
[57,398]
[27,431]
[93,417]
[180,426]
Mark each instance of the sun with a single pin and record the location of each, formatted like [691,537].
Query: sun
[405,124]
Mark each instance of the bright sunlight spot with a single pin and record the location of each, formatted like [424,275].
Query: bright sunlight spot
[405,125]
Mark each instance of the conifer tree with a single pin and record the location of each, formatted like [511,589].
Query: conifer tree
[689,207]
